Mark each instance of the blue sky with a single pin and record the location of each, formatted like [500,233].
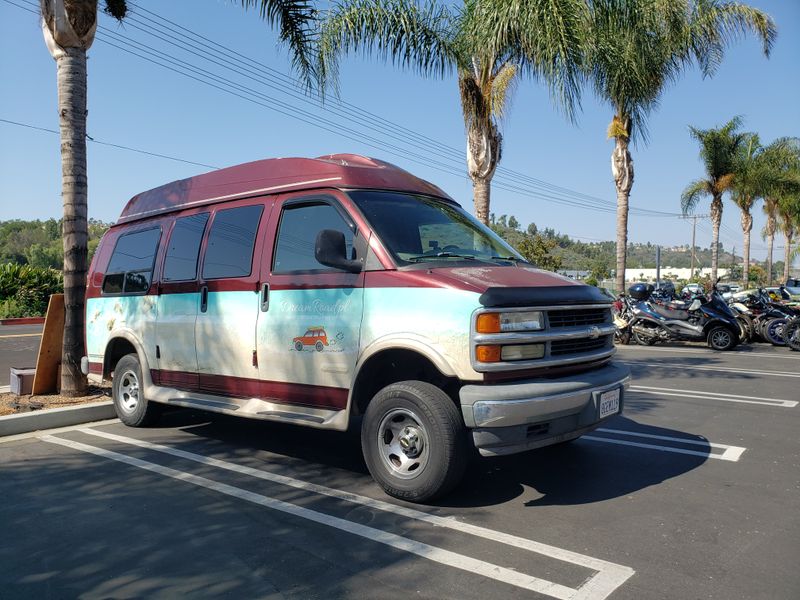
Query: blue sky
[135,103]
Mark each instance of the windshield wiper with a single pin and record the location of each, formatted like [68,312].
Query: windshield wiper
[424,257]
[511,258]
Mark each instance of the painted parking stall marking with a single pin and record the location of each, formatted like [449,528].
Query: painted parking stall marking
[718,396]
[621,437]
[608,576]
[705,351]
[667,365]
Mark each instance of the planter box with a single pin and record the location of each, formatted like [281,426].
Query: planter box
[22,381]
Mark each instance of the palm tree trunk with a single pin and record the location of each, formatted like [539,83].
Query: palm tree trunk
[622,170]
[481,190]
[787,255]
[716,221]
[71,68]
[483,154]
[747,227]
[771,226]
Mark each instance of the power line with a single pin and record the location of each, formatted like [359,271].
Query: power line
[112,145]
[550,192]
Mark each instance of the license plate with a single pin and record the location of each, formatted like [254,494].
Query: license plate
[609,403]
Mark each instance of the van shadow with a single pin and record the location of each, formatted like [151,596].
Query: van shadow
[579,472]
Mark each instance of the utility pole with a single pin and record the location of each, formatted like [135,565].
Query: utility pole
[658,267]
[694,235]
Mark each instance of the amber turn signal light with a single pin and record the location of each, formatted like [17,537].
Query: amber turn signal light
[488,323]
[487,354]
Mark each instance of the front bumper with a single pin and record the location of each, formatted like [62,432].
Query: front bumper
[514,417]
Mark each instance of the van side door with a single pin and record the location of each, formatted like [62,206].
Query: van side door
[178,303]
[309,321]
[229,298]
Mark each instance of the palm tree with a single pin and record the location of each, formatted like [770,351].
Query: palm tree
[69,27]
[482,42]
[635,48]
[718,150]
[789,221]
[771,227]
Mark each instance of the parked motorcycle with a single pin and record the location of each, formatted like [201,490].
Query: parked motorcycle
[791,333]
[706,318]
[769,317]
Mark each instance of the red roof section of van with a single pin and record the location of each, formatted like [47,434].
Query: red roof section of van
[273,176]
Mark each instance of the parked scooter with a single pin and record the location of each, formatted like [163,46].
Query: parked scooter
[706,318]
[769,318]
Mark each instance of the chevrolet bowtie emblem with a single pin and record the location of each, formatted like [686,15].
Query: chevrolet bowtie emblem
[594,332]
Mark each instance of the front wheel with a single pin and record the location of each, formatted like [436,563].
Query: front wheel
[131,406]
[721,338]
[414,441]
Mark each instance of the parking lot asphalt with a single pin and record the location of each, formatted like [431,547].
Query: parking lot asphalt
[19,345]
[694,492]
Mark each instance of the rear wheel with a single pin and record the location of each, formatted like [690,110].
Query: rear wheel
[791,334]
[721,338]
[414,441]
[131,406]
[746,328]
[773,331]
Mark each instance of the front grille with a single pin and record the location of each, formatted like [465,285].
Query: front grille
[572,318]
[560,347]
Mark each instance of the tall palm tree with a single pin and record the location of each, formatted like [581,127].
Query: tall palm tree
[770,228]
[760,172]
[69,27]
[789,222]
[718,150]
[635,48]
[487,47]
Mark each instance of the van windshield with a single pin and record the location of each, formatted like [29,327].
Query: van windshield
[421,229]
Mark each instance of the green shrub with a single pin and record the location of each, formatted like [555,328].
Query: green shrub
[25,290]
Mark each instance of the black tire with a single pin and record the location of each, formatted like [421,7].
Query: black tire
[131,406]
[643,340]
[773,331]
[791,334]
[319,346]
[298,346]
[419,411]
[747,328]
[721,338]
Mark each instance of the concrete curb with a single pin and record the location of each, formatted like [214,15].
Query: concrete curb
[23,321]
[56,417]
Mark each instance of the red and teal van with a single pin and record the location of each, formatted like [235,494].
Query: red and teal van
[319,291]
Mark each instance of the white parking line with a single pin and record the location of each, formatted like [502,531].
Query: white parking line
[608,578]
[705,350]
[698,395]
[719,369]
[731,453]
[591,590]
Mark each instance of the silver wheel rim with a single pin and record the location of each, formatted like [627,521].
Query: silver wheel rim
[128,391]
[721,338]
[403,444]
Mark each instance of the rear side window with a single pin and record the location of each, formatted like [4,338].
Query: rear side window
[298,235]
[229,251]
[130,269]
[184,248]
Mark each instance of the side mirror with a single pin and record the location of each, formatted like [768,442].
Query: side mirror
[331,251]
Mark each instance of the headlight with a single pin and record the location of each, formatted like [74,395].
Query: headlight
[525,352]
[510,321]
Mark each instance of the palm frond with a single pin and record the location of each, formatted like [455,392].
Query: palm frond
[544,38]
[693,193]
[716,24]
[420,37]
[296,21]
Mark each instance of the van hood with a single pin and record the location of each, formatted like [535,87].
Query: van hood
[497,286]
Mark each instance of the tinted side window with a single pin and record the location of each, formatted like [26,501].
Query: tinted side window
[130,269]
[184,247]
[229,252]
[297,236]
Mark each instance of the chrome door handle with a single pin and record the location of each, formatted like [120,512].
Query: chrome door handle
[204,298]
[265,297]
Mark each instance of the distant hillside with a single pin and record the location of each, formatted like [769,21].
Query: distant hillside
[599,257]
